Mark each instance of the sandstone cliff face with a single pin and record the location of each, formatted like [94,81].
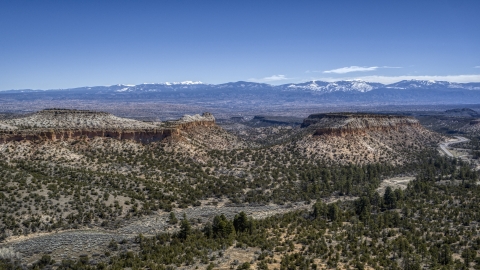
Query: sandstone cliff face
[59,125]
[357,124]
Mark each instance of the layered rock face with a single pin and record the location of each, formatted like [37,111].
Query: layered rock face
[60,124]
[342,124]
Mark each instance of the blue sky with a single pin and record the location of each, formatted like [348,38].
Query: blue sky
[61,44]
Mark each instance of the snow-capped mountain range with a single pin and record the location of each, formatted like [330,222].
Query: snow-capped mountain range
[315,86]
[314,92]
[363,86]
[344,86]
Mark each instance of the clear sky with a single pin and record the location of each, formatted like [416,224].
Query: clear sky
[61,44]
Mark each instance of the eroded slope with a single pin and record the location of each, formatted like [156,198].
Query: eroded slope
[363,138]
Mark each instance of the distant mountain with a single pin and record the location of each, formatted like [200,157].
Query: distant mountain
[316,86]
[423,84]
[243,85]
[363,86]
[242,92]
[464,112]
[329,87]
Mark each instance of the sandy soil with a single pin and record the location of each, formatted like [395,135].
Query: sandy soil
[394,183]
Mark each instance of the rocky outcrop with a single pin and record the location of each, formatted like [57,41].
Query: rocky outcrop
[192,121]
[59,125]
[342,124]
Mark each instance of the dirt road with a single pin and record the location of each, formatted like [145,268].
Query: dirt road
[444,146]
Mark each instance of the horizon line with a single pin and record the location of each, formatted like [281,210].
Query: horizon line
[188,82]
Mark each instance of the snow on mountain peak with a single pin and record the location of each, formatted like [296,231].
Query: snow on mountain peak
[354,86]
[361,86]
[328,87]
[313,84]
[184,83]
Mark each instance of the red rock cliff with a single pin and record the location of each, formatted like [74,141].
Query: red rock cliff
[133,130]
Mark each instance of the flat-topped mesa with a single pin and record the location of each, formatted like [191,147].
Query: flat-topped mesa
[341,124]
[60,124]
[191,121]
[75,119]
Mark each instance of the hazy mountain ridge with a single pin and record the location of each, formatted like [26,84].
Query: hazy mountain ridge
[315,85]
[251,96]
